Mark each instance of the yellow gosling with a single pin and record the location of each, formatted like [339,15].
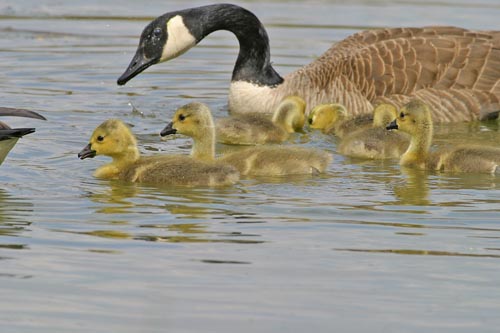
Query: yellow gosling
[195,120]
[415,119]
[258,128]
[376,142]
[115,139]
[333,119]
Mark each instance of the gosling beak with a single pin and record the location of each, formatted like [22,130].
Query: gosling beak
[393,125]
[86,152]
[168,130]
[138,64]
[20,113]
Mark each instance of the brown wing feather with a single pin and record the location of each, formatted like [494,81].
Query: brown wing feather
[402,61]
[451,104]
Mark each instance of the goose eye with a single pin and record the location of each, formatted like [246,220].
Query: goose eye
[182,117]
[157,32]
[401,115]
[100,138]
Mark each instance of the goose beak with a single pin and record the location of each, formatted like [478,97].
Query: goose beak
[20,113]
[168,130]
[138,64]
[86,152]
[392,125]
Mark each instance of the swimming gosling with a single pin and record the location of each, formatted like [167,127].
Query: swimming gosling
[376,142]
[115,139]
[333,119]
[415,119]
[258,128]
[195,120]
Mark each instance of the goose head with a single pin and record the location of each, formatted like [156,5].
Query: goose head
[325,115]
[165,38]
[290,114]
[383,114]
[170,35]
[112,138]
[414,118]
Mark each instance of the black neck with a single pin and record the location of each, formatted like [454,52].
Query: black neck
[253,63]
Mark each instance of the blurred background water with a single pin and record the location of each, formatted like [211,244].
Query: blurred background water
[365,247]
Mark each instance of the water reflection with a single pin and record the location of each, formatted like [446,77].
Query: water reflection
[13,214]
[422,252]
[414,188]
[171,204]
[173,233]
[114,199]
[183,202]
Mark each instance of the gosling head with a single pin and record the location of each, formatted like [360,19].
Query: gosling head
[111,138]
[383,114]
[166,37]
[193,119]
[325,115]
[290,114]
[413,118]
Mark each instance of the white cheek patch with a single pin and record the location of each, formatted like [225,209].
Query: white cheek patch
[179,39]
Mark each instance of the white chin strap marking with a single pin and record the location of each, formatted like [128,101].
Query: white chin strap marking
[179,39]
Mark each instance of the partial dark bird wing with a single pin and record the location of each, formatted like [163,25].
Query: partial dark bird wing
[8,139]
[13,112]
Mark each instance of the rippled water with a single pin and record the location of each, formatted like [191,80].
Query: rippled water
[365,247]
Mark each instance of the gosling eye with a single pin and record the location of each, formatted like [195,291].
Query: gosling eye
[401,115]
[310,121]
[182,117]
[100,138]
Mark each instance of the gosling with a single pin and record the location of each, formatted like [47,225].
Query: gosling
[258,129]
[333,119]
[376,142]
[415,119]
[115,139]
[195,120]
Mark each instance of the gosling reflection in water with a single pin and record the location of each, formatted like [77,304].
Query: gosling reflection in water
[121,197]
[176,233]
[415,188]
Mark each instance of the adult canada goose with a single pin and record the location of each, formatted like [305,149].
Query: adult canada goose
[115,139]
[9,136]
[195,120]
[258,128]
[375,142]
[415,119]
[458,65]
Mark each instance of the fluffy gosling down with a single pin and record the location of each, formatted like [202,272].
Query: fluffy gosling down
[195,120]
[258,128]
[115,139]
[415,119]
[375,142]
[333,119]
